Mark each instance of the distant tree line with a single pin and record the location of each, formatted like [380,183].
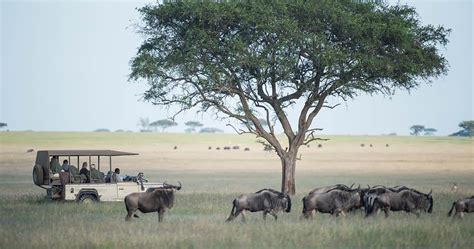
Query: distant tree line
[163,124]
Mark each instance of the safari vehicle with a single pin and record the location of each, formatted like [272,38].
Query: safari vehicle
[97,186]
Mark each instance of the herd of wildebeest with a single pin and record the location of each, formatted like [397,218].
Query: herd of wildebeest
[336,200]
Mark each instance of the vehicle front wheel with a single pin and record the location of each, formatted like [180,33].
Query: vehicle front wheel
[88,198]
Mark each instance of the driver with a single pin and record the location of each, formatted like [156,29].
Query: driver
[116,176]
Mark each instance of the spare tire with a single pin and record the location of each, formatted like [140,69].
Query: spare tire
[38,175]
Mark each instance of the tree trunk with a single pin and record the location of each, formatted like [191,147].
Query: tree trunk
[288,163]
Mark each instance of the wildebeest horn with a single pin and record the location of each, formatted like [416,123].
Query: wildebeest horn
[368,186]
[178,188]
[431,191]
[352,185]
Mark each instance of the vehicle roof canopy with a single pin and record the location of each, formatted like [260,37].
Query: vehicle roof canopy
[87,153]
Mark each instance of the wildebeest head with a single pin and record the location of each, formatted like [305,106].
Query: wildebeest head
[426,201]
[286,201]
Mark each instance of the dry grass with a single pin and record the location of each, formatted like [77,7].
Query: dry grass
[213,178]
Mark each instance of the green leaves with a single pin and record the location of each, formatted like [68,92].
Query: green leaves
[216,54]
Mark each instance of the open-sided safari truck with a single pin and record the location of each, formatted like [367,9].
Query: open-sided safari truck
[96,186]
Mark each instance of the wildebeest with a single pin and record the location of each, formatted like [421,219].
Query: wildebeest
[368,195]
[331,200]
[154,200]
[462,206]
[408,200]
[226,147]
[267,200]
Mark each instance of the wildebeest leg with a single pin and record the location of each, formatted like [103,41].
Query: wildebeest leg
[385,210]
[461,215]
[416,213]
[160,215]
[264,215]
[129,215]
[343,213]
[273,214]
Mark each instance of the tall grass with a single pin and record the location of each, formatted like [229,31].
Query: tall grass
[28,220]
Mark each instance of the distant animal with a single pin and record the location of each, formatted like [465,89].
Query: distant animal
[386,145]
[462,206]
[247,149]
[268,201]
[218,148]
[362,145]
[156,200]
[226,147]
[371,145]
[333,201]
[454,187]
[408,200]
[30,150]
[307,146]
[209,148]
[175,147]
[236,147]
[320,145]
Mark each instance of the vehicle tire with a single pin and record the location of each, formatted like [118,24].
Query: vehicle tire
[38,176]
[87,198]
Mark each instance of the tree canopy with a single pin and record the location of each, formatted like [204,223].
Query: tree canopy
[2,125]
[467,129]
[416,129]
[163,124]
[430,131]
[252,60]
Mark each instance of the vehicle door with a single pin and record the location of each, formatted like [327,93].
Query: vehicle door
[125,188]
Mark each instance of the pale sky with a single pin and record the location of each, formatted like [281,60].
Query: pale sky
[65,65]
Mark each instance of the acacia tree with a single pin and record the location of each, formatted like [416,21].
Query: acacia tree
[430,131]
[249,60]
[163,124]
[192,125]
[468,127]
[416,129]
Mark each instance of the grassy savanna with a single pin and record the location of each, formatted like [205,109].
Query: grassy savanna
[212,179]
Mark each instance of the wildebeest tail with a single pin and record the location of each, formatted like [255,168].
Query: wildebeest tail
[371,205]
[232,212]
[289,204]
[452,209]
[304,204]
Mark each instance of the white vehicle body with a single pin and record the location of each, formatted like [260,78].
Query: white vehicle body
[106,191]
[74,186]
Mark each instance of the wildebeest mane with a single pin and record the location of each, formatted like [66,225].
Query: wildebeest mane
[164,196]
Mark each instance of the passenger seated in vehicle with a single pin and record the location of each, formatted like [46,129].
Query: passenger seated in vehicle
[65,166]
[54,165]
[116,176]
[85,176]
[96,176]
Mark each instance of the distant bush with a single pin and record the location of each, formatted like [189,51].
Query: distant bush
[102,130]
[210,130]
